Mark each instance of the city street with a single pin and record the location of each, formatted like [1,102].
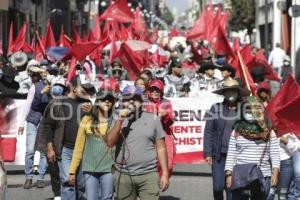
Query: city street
[190,182]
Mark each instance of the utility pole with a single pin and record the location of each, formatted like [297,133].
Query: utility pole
[266,28]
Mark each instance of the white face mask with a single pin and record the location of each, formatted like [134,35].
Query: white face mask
[249,117]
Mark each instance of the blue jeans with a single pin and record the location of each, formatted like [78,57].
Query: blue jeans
[99,186]
[253,192]
[285,178]
[31,131]
[67,191]
[295,187]
[218,175]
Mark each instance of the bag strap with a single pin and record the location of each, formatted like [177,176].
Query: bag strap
[263,154]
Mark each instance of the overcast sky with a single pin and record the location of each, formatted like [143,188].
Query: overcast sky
[179,5]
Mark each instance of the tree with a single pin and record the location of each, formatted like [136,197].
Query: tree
[167,16]
[242,15]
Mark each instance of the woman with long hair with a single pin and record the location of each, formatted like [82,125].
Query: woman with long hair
[252,142]
[91,148]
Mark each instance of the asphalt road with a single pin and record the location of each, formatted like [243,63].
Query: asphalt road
[189,182]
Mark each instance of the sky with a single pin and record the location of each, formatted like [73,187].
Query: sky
[179,5]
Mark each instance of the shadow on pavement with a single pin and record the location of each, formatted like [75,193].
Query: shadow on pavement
[168,198]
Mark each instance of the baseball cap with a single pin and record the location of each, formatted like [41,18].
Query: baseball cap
[81,80]
[158,84]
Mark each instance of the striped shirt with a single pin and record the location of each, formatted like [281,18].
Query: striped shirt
[244,151]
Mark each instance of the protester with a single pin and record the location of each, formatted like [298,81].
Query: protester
[116,71]
[286,69]
[219,122]
[176,84]
[162,107]
[35,105]
[61,129]
[91,148]
[228,73]
[252,142]
[146,75]
[57,93]
[276,58]
[289,145]
[139,140]
[142,84]
[264,92]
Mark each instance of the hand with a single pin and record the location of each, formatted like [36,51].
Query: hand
[209,160]
[164,182]
[123,113]
[86,107]
[51,156]
[71,179]
[162,112]
[21,131]
[46,89]
[283,140]
[228,181]
[274,177]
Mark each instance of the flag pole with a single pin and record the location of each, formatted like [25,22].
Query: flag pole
[244,72]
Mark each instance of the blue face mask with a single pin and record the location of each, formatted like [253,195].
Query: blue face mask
[57,90]
[249,117]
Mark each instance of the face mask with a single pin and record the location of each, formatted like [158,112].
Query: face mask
[286,63]
[57,90]
[231,96]
[249,117]
[50,78]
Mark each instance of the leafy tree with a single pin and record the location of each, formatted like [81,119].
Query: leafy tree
[242,15]
[167,16]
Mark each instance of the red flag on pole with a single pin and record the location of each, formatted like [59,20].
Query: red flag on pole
[39,52]
[10,48]
[132,61]
[221,44]
[63,40]
[83,49]
[96,32]
[76,36]
[20,39]
[118,11]
[285,98]
[49,39]
[72,70]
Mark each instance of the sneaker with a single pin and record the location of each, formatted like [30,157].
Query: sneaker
[40,184]
[27,184]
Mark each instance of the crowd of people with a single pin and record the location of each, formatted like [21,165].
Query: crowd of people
[101,134]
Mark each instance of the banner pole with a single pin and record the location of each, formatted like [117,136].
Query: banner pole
[244,72]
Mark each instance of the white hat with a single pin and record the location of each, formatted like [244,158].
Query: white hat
[18,59]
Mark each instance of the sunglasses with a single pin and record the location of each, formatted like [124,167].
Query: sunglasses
[117,71]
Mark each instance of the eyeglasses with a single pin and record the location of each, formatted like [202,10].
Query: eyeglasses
[117,71]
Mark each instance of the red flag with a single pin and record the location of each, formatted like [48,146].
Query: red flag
[91,37]
[286,96]
[119,11]
[63,40]
[261,60]
[113,51]
[96,32]
[173,32]
[39,52]
[138,26]
[20,39]
[236,45]
[49,39]
[72,70]
[290,117]
[132,60]
[224,20]
[199,28]
[84,37]
[76,36]
[123,33]
[197,57]
[27,48]
[221,44]
[83,49]
[10,47]
[154,36]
